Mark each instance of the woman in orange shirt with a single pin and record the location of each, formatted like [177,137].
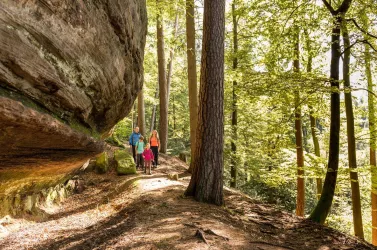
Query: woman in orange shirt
[154,140]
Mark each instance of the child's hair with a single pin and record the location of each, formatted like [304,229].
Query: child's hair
[148,144]
[141,138]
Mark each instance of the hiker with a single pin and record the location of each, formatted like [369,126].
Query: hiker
[139,150]
[134,138]
[154,140]
[148,158]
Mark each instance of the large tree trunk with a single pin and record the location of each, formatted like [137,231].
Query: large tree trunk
[324,204]
[356,203]
[153,117]
[313,120]
[141,112]
[162,82]
[233,167]
[191,75]
[206,183]
[300,202]
[373,134]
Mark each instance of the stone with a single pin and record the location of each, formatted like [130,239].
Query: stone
[102,163]
[124,162]
[69,71]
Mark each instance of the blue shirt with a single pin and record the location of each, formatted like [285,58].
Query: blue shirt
[134,138]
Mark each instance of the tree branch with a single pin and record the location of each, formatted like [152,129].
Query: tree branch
[361,29]
[344,6]
[329,7]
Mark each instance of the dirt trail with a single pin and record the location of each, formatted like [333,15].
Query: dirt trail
[150,212]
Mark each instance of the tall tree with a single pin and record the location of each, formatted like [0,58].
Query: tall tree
[163,88]
[141,112]
[154,108]
[323,206]
[355,189]
[300,203]
[233,167]
[313,119]
[206,183]
[372,131]
[191,75]
[171,57]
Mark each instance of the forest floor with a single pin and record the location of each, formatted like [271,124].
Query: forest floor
[151,212]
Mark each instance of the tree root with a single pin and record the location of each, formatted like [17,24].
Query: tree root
[200,234]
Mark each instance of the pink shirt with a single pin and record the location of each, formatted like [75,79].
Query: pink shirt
[148,154]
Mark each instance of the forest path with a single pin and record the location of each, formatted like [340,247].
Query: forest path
[150,212]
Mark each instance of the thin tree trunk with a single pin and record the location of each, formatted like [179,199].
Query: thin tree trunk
[153,117]
[300,203]
[233,168]
[206,183]
[162,81]
[323,206]
[171,57]
[192,76]
[135,118]
[141,112]
[356,203]
[313,120]
[174,118]
[373,134]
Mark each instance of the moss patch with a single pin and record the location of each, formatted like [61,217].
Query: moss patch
[102,163]
[124,162]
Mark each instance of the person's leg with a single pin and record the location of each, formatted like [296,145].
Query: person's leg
[155,153]
[149,167]
[134,152]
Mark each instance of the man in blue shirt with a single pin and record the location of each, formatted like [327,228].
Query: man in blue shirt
[134,138]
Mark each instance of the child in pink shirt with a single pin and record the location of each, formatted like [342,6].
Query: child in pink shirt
[148,158]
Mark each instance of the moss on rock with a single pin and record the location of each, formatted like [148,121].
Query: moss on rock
[124,162]
[102,163]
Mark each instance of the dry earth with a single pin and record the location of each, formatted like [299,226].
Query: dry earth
[150,212]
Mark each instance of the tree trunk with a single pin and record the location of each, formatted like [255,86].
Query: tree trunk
[323,206]
[313,120]
[153,117]
[300,203]
[171,57]
[206,183]
[141,112]
[174,118]
[191,75]
[233,167]
[162,82]
[356,203]
[373,134]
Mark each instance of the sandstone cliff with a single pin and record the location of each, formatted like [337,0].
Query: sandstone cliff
[69,71]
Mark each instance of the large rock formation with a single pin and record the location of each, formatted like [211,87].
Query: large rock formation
[69,71]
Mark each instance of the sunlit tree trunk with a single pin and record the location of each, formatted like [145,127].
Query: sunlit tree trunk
[162,81]
[356,203]
[372,132]
[141,112]
[233,167]
[300,202]
[153,116]
[191,75]
[323,206]
[206,183]
[171,57]
[313,120]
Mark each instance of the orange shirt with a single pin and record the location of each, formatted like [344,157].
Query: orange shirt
[154,142]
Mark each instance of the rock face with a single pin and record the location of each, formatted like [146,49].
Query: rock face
[69,71]
[124,162]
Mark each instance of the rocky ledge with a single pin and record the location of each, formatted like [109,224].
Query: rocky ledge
[69,71]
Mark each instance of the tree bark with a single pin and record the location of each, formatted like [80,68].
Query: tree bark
[356,203]
[206,183]
[162,81]
[300,202]
[313,120]
[323,206]
[192,76]
[233,167]
[171,57]
[141,112]
[153,117]
[372,132]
